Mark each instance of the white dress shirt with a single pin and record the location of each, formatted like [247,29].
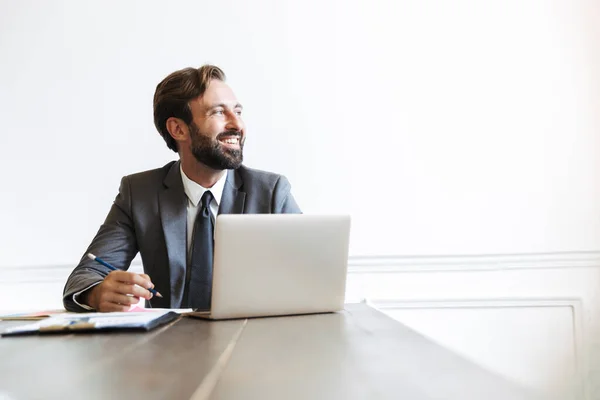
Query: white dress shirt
[194,193]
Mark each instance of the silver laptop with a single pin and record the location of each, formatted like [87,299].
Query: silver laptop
[278,264]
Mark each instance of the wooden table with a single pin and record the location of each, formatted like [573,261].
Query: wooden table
[356,354]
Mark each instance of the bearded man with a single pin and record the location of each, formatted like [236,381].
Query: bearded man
[168,214]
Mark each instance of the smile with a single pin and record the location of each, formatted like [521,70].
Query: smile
[230,141]
[234,140]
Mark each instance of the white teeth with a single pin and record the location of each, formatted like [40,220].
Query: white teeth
[232,141]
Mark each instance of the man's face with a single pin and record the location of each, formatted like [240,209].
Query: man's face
[217,131]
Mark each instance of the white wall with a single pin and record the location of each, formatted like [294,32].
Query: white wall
[445,128]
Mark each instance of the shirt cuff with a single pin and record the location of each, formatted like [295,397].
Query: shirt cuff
[76,295]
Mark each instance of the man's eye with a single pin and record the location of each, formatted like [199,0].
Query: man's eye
[238,112]
[218,112]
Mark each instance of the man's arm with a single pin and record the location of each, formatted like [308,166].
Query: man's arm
[115,242]
[283,201]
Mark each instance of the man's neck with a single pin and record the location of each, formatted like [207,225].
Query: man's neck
[200,173]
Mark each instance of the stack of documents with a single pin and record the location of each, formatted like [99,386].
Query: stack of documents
[86,322]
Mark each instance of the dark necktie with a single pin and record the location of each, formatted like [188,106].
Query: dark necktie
[200,287]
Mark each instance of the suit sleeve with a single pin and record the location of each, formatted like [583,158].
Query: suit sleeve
[115,242]
[283,201]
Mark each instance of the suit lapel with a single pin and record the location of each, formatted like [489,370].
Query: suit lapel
[173,215]
[232,200]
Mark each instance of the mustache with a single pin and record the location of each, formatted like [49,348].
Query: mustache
[232,132]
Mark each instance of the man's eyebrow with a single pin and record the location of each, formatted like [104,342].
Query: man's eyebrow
[223,105]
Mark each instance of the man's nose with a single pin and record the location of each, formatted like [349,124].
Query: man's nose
[234,122]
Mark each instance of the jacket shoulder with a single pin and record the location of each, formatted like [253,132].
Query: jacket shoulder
[258,177]
[153,175]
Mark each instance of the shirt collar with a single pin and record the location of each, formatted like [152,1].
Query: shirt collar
[194,191]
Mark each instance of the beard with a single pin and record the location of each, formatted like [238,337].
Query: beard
[210,152]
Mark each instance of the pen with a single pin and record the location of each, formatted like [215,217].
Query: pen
[107,265]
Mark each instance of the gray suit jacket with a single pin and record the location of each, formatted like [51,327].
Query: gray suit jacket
[149,215]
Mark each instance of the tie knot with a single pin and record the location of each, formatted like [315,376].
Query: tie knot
[206,199]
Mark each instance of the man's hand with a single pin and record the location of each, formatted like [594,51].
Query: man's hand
[118,291]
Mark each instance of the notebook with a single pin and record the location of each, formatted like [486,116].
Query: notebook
[92,322]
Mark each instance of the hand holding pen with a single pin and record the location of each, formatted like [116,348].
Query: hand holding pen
[119,289]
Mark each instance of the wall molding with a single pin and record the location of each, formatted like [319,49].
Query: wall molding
[581,339]
[44,274]
[369,264]
[465,263]
[502,302]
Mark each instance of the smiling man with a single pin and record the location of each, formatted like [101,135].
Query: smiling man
[168,214]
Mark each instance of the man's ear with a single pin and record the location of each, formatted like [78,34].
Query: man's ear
[177,129]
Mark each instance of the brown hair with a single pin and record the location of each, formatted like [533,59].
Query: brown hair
[172,96]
